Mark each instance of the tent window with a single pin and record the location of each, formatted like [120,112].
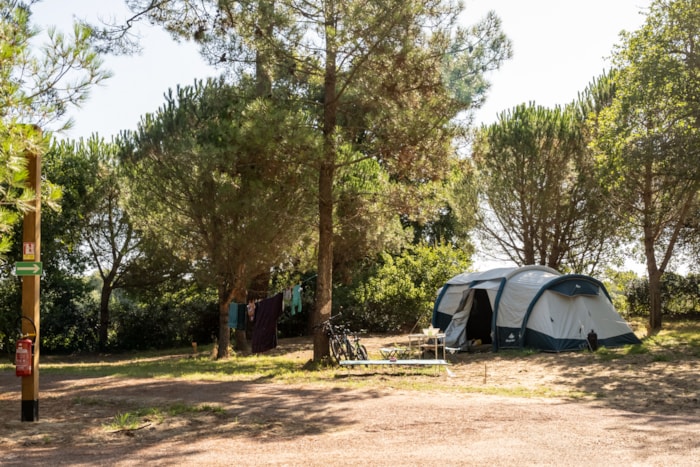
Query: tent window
[572,288]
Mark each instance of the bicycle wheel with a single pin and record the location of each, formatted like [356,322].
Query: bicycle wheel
[336,349]
[350,350]
[362,352]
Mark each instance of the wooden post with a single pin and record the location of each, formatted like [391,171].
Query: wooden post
[31,251]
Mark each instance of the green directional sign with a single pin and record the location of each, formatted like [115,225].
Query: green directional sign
[28,268]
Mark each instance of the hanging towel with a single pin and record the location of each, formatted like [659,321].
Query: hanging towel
[233,315]
[265,330]
[236,316]
[242,308]
[296,300]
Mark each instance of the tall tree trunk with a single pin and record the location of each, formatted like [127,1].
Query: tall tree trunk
[240,296]
[324,284]
[654,301]
[105,295]
[241,344]
[225,297]
[653,270]
[265,29]
[528,253]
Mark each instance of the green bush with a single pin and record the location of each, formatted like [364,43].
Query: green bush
[398,292]
[68,316]
[171,321]
[680,296]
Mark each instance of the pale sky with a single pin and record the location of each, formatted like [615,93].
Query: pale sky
[559,47]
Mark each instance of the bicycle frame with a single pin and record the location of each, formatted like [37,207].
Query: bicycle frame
[341,346]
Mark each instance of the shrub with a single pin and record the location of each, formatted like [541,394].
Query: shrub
[398,292]
[680,296]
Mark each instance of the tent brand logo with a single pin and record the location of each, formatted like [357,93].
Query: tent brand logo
[510,339]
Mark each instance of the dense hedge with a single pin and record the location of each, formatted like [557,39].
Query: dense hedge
[397,293]
[680,296]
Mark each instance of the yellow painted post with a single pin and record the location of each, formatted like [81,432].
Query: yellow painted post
[31,251]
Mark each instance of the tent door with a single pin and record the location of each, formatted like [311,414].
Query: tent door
[480,318]
[456,332]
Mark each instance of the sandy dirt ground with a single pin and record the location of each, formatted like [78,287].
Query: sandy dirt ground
[483,409]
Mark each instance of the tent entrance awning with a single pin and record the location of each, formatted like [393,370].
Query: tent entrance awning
[487,285]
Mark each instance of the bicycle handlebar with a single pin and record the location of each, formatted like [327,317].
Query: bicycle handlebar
[325,322]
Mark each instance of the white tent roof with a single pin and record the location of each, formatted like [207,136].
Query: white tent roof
[498,273]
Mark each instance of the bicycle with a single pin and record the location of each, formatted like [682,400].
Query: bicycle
[360,349]
[350,341]
[341,345]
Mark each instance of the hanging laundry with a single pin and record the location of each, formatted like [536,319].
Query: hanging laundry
[241,317]
[236,316]
[233,315]
[296,300]
[267,312]
[251,310]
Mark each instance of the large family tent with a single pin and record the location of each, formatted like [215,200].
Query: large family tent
[531,306]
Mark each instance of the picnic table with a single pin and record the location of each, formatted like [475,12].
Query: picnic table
[395,355]
[389,353]
[423,342]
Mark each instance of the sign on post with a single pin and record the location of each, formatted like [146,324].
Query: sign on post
[31,269]
[28,268]
[28,251]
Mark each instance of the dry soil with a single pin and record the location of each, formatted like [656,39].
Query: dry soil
[483,409]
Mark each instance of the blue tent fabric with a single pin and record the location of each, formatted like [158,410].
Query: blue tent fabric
[575,287]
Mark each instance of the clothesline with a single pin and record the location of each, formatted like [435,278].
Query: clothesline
[309,278]
[291,299]
[264,314]
[298,283]
[285,288]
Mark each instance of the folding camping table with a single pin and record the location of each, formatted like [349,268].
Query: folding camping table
[424,342]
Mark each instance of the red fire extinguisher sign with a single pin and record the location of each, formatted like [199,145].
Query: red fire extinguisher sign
[23,357]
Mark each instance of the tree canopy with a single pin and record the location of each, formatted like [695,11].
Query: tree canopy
[540,198]
[381,80]
[648,139]
[214,179]
[37,87]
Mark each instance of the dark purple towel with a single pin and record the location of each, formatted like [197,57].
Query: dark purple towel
[265,324]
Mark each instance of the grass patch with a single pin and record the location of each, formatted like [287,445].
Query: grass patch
[88,401]
[675,333]
[137,419]
[678,341]
[183,409]
[200,368]
[527,392]
[637,349]
[124,421]
[606,355]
